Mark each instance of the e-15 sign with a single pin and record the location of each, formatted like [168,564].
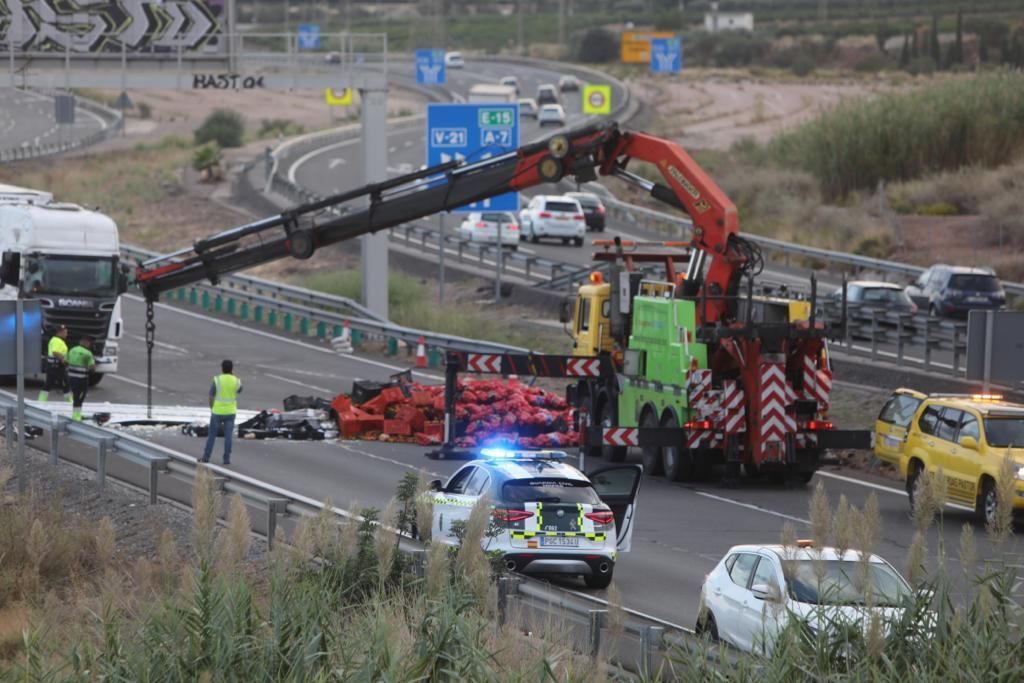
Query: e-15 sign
[496,118]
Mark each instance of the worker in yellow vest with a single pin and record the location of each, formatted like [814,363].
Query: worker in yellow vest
[81,363]
[56,365]
[224,393]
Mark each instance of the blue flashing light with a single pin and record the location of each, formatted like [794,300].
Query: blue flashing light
[510,454]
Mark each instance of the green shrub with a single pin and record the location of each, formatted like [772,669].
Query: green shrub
[145,111]
[876,246]
[938,209]
[804,65]
[206,157]
[903,135]
[598,46]
[272,128]
[223,126]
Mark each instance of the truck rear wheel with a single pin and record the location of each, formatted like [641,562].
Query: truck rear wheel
[676,460]
[611,453]
[653,465]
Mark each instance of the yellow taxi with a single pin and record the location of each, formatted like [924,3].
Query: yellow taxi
[966,435]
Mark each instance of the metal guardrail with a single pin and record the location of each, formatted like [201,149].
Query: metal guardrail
[676,226]
[301,310]
[111,118]
[654,635]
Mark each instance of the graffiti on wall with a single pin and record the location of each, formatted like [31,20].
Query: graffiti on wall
[111,25]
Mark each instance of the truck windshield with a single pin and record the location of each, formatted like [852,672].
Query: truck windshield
[70,275]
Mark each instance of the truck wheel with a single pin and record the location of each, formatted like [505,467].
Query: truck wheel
[95,378]
[676,460]
[611,453]
[651,454]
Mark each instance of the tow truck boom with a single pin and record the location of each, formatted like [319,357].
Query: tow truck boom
[583,153]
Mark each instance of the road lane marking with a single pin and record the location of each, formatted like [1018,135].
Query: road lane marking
[882,487]
[165,345]
[373,456]
[301,384]
[338,161]
[408,143]
[135,382]
[287,340]
[750,506]
[317,152]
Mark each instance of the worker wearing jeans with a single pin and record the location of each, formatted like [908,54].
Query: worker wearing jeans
[224,393]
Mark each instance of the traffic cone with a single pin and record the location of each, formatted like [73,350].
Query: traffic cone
[343,343]
[421,353]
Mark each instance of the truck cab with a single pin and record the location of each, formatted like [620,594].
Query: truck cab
[591,319]
[66,257]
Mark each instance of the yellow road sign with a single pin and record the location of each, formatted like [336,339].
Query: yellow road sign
[597,99]
[636,45]
[338,98]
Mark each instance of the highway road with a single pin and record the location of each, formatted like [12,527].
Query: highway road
[28,119]
[682,530]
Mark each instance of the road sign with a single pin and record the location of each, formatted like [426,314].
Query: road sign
[636,45]
[430,67]
[597,99]
[338,98]
[309,37]
[666,55]
[474,132]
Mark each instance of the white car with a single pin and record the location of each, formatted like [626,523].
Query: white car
[549,517]
[750,596]
[453,60]
[528,107]
[510,81]
[483,227]
[553,216]
[552,114]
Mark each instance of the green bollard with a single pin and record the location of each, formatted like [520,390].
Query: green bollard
[392,346]
[257,313]
[181,293]
[321,330]
[287,322]
[231,306]
[336,331]
[206,300]
[244,311]
[357,337]
[272,318]
[218,304]
[193,295]
[304,327]
[433,357]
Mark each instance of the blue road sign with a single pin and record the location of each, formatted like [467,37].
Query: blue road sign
[430,67]
[666,55]
[309,37]
[474,132]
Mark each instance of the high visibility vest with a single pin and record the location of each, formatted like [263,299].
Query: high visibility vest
[56,345]
[79,360]
[225,399]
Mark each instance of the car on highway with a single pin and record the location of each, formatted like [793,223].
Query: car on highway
[755,591]
[967,436]
[483,228]
[528,107]
[551,114]
[952,291]
[593,209]
[868,303]
[511,81]
[548,517]
[333,58]
[568,84]
[454,60]
[547,94]
[553,216]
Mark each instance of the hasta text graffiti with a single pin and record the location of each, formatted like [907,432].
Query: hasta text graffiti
[226,82]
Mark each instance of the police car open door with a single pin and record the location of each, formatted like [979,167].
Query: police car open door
[618,487]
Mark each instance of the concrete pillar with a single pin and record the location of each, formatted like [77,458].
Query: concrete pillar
[375,169]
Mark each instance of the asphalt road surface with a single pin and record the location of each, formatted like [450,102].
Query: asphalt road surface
[28,119]
[682,530]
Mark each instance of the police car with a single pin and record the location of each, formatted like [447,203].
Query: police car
[549,517]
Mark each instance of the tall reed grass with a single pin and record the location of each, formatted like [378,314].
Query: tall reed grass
[949,124]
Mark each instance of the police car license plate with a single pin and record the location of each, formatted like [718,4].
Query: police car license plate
[570,541]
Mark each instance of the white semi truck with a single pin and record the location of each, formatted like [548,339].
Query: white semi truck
[66,257]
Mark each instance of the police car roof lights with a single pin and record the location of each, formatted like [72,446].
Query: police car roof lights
[514,454]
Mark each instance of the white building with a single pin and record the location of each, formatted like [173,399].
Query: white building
[728,21]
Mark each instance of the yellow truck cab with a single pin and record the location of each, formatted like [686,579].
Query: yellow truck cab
[966,436]
[591,326]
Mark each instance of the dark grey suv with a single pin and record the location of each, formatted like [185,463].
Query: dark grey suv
[953,290]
